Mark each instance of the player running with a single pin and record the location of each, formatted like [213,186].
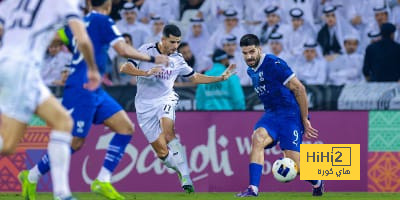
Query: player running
[286,111]
[29,28]
[156,100]
[87,107]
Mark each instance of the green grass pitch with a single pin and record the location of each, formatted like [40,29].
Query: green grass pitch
[226,196]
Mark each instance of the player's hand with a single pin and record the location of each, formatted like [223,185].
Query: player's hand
[94,80]
[228,72]
[309,131]
[153,71]
[161,59]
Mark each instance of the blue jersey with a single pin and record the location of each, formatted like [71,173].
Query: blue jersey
[269,79]
[86,106]
[103,33]
[282,118]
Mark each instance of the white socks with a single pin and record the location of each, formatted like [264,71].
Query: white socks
[104,175]
[170,162]
[60,154]
[34,174]
[255,188]
[179,156]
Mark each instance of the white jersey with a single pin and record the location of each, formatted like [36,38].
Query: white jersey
[31,24]
[151,90]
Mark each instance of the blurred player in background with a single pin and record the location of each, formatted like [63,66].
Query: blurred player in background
[29,28]
[286,111]
[156,100]
[87,107]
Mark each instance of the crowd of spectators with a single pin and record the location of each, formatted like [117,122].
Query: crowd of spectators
[326,42]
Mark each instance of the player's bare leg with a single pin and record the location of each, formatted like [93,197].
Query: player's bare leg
[58,119]
[123,128]
[294,155]
[59,145]
[170,150]
[11,132]
[259,140]
[318,185]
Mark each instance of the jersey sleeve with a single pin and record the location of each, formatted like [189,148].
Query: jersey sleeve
[184,69]
[68,9]
[110,32]
[283,71]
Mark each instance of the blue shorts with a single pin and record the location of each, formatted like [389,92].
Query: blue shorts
[87,107]
[284,128]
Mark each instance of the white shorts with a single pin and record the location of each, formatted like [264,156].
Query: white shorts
[21,89]
[149,121]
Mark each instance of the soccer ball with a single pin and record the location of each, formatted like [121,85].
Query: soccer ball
[284,170]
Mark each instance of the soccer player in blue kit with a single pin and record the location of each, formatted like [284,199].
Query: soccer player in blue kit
[286,112]
[87,107]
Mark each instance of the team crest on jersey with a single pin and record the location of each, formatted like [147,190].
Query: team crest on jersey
[170,64]
[80,125]
[261,76]
[261,88]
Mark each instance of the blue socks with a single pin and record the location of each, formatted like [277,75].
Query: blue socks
[116,150]
[255,171]
[44,163]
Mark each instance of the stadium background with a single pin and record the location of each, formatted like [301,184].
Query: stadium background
[217,143]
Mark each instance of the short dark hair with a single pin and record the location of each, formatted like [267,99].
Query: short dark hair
[181,45]
[127,35]
[248,40]
[96,3]
[171,29]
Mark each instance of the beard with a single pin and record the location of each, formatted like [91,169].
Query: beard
[254,61]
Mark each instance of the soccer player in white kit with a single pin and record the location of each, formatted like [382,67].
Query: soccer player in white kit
[156,100]
[29,27]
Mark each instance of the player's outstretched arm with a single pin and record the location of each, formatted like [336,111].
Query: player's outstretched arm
[85,47]
[131,69]
[201,78]
[127,51]
[299,92]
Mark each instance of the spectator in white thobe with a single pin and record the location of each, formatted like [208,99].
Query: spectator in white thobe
[347,68]
[230,26]
[311,68]
[129,24]
[297,34]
